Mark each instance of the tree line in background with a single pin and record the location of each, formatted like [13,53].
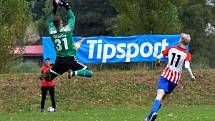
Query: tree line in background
[14,19]
[91,16]
[170,17]
[116,17]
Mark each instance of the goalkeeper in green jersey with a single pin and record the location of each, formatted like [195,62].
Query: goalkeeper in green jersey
[64,46]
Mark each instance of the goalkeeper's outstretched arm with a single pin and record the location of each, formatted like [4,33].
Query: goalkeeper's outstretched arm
[51,18]
[70,14]
[71,20]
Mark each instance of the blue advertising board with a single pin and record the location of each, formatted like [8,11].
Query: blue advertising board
[106,49]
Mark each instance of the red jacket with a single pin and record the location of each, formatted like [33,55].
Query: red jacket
[44,83]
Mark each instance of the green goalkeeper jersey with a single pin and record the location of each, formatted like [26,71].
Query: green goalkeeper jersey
[62,38]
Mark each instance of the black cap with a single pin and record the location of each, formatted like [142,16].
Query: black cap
[47,59]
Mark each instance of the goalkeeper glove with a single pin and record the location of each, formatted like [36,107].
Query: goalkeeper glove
[41,76]
[66,4]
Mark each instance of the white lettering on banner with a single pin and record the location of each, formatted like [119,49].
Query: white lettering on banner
[150,49]
[123,50]
[91,48]
[164,45]
[156,48]
[120,50]
[129,55]
[106,55]
[99,52]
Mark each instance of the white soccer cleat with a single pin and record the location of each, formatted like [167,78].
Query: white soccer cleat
[146,119]
[70,73]
[154,116]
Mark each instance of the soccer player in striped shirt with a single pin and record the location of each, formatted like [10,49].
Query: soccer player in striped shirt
[169,79]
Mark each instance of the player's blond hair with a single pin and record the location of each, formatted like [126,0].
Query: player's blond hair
[185,39]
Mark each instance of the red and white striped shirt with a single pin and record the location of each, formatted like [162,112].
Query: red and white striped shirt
[176,58]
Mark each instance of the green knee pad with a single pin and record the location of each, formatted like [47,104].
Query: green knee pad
[85,73]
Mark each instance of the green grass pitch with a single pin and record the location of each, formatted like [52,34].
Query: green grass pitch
[197,113]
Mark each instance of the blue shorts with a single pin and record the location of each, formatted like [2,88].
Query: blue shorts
[166,85]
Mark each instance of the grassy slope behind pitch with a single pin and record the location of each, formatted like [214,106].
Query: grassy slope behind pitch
[111,88]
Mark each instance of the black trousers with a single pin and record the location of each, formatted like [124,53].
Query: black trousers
[52,95]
